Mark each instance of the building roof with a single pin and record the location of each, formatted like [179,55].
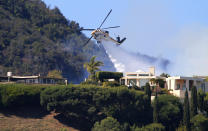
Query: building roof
[24,77]
[185,77]
[30,77]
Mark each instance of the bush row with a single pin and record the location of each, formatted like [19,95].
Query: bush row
[12,95]
[90,103]
[94,103]
[102,75]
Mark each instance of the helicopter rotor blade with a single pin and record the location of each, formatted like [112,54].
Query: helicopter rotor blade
[105,19]
[87,29]
[87,41]
[111,27]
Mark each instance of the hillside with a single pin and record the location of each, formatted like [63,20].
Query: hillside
[31,119]
[35,39]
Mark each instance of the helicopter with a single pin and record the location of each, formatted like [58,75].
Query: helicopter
[100,34]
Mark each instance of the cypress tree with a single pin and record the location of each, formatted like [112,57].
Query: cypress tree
[200,99]
[193,101]
[148,92]
[186,114]
[155,110]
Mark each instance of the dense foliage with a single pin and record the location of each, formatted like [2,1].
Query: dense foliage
[107,124]
[111,84]
[55,74]
[102,75]
[200,100]
[199,123]
[85,105]
[186,113]
[169,111]
[91,103]
[12,95]
[148,92]
[206,103]
[193,102]
[35,39]
[150,127]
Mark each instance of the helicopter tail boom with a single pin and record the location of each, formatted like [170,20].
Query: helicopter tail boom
[120,41]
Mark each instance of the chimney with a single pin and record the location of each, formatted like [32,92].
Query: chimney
[152,71]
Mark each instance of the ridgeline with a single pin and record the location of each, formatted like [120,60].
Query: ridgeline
[35,39]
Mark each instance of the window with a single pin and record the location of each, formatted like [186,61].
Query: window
[184,85]
[132,82]
[178,87]
[132,75]
[143,74]
[122,81]
[203,86]
[142,82]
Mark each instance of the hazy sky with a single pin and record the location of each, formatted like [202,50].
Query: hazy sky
[173,29]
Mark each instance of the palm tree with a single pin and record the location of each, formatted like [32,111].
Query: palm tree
[92,67]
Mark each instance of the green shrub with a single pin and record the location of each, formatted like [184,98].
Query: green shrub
[63,129]
[110,84]
[92,103]
[107,124]
[199,123]
[19,94]
[149,127]
[181,128]
[89,82]
[170,111]
[102,75]
[163,91]
[154,127]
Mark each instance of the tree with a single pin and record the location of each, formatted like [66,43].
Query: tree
[155,110]
[206,103]
[107,124]
[148,92]
[153,127]
[102,75]
[200,99]
[164,75]
[193,111]
[199,123]
[160,82]
[90,103]
[149,127]
[92,67]
[186,114]
[169,111]
[34,43]
[206,78]
[55,74]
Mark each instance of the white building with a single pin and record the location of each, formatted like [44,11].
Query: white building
[177,85]
[139,78]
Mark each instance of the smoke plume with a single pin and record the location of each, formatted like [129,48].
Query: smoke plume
[125,61]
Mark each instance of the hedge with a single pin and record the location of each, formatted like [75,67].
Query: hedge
[91,103]
[101,75]
[12,95]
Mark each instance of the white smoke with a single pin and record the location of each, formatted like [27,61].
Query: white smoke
[125,61]
[120,67]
